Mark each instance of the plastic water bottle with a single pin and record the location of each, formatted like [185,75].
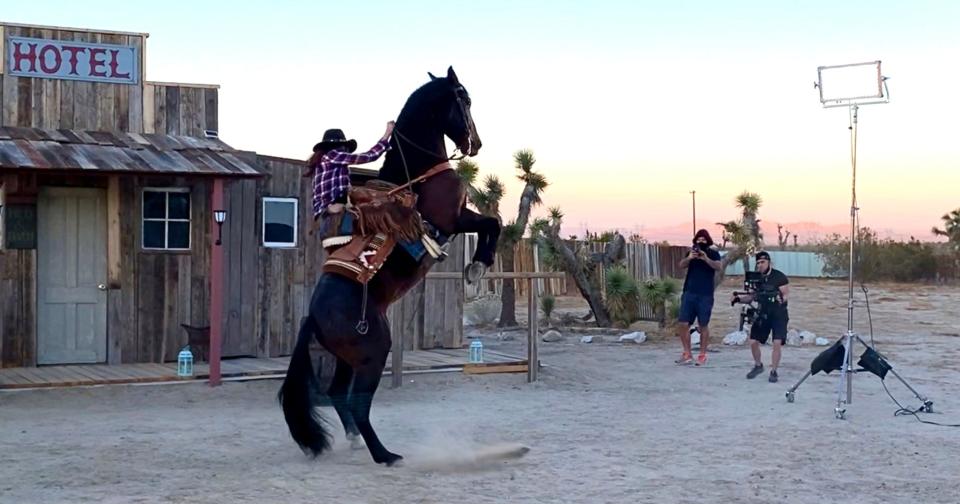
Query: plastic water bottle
[476,351]
[185,362]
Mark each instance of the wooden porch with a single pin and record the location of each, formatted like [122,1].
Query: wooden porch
[103,374]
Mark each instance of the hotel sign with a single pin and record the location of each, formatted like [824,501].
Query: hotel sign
[66,59]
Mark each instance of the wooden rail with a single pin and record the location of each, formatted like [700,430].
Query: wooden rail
[533,356]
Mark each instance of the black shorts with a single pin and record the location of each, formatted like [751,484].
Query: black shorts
[775,322]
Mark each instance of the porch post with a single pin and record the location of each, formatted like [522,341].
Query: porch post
[216,286]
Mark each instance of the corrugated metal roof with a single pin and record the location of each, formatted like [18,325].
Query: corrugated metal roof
[41,149]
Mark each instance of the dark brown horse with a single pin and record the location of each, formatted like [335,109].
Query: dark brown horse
[438,109]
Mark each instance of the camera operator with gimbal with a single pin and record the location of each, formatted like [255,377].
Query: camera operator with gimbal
[771,295]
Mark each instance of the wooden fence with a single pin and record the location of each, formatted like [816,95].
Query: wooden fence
[643,260]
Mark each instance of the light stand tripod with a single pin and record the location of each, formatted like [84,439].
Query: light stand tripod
[870,360]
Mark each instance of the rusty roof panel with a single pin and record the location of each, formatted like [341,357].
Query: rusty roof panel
[32,148]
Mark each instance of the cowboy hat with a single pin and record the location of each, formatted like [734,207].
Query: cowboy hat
[333,138]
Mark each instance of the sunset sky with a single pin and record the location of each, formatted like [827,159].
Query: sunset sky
[628,106]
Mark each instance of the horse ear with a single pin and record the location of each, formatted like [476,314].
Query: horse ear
[432,77]
[452,76]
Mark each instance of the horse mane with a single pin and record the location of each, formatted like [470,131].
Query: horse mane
[425,95]
[413,123]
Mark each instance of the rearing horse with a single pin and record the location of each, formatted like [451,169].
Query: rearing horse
[438,109]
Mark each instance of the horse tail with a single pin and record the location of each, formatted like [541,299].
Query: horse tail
[297,397]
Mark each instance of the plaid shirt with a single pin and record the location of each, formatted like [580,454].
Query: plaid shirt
[332,180]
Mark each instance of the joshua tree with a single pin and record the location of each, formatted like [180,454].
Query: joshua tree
[511,234]
[578,261]
[743,233]
[951,228]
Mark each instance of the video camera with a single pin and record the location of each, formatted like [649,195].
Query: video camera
[763,300]
[699,248]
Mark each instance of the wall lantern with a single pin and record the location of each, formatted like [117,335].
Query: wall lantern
[219,216]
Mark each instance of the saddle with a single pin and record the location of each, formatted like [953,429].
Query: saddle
[380,215]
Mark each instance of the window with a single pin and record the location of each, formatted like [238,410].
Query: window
[280,222]
[166,219]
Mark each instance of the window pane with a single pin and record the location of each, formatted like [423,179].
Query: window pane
[154,235]
[154,204]
[179,205]
[279,218]
[179,235]
[278,233]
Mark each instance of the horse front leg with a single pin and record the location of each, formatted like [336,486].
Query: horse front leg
[488,233]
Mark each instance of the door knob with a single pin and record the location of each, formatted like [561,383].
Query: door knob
[102,287]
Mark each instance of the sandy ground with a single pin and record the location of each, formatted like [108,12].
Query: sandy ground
[607,423]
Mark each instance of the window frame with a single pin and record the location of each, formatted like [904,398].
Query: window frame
[263,221]
[166,220]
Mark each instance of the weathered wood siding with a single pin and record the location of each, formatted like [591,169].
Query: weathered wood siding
[54,103]
[145,107]
[17,307]
[155,291]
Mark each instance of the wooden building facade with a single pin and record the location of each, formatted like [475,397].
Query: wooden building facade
[107,231]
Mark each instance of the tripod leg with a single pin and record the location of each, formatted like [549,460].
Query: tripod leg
[791,395]
[927,403]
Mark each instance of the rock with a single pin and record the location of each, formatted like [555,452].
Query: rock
[793,338]
[822,341]
[505,336]
[634,337]
[588,339]
[807,338]
[735,338]
[552,336]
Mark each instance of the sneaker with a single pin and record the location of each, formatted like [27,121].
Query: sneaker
[755,371]
[684,359]
[701,360]
[773,376]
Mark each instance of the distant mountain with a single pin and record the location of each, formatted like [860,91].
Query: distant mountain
[806,231]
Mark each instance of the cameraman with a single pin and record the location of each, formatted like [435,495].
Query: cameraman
[696,302]
[771,296]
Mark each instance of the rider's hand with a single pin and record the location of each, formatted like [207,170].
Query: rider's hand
[389,131]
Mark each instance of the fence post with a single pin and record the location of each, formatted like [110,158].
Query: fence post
[533,356]
[396,370]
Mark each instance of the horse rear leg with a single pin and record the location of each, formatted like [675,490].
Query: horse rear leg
[339,393]
[365,383]
[368,358]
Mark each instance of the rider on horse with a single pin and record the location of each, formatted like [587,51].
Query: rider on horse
[329,166]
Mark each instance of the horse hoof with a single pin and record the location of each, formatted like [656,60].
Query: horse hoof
[356,442]
[393,460]
[474,272]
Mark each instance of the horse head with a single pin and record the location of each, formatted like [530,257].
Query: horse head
[438,109]
[453,102]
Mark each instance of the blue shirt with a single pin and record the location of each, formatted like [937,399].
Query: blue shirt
[700,275]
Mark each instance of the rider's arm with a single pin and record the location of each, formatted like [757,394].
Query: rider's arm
[340,157]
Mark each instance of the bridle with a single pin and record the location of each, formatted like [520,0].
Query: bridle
[452,157]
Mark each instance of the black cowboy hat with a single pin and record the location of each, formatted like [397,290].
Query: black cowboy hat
[333,138]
